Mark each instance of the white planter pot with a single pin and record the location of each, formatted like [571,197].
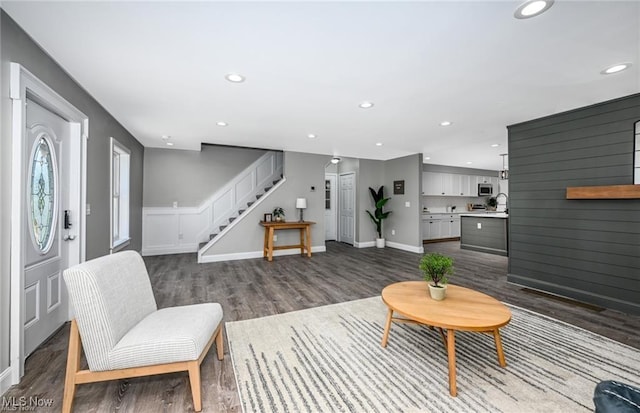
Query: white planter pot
[438,293]
[380,242]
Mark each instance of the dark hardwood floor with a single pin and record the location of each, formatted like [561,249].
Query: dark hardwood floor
[256,288]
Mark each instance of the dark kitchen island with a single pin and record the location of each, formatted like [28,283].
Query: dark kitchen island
[485,232]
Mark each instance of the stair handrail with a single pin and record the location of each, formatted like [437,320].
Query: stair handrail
[208,203]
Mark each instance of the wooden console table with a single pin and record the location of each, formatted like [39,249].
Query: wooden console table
[271,227]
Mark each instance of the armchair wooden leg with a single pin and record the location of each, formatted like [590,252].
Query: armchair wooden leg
[194,379]
[220,342]
[73,366]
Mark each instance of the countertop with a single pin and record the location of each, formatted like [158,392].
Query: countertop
[487,215]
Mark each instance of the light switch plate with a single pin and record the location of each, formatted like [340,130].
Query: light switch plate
[479,225]
[407,204]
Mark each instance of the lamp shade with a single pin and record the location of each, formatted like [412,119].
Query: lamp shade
[301,203]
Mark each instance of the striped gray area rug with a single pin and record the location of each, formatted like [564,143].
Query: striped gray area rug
[329,359]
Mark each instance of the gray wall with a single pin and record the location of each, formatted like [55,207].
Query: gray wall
[405,221]
[371,174]
[302,171]
[585,249]
[16,46]
[428,167]
[190,177]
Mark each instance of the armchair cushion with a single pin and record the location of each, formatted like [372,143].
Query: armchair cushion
[166,336]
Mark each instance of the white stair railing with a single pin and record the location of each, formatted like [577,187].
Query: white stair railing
[180,230]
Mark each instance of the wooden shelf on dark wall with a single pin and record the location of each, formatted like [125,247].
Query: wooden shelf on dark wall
[604,192]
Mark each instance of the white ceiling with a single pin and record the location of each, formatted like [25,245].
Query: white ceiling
[159,68]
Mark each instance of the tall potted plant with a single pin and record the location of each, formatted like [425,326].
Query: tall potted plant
[378,214]
[436,268]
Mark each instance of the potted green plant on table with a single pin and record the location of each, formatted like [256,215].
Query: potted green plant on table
[278,214]
[436,268]
[378,214]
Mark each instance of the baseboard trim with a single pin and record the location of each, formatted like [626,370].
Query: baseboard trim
[185,249]
[5,380]
[254,254]
[367,244]
[405,247]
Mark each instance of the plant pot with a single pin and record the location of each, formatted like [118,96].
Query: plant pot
[379,242]
[278,219]
[438,293]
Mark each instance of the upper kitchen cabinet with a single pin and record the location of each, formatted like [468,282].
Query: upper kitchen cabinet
[445,184]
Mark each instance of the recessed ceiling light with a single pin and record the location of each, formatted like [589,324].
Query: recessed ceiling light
[311,136]
[426,158]
[235,78]
[379,144]
[335,160]
[221,123]
[469,163]
[165,137]
[495,145]
[169,143]
[531,8]
[366,105]
[445,123]
[616,68]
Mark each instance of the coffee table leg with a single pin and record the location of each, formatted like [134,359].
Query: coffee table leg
[387,328]
[496,336]
[451,353]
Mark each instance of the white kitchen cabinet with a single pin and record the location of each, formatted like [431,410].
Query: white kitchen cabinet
[466,189]
[432,227]
[444,184]
[454,229]
[432,183]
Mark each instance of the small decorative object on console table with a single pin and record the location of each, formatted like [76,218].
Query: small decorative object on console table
[492,204]
[278,214]
[267,218]
[436,267]
[378,215]
[301,204]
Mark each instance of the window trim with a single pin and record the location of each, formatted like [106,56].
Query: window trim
[117,147]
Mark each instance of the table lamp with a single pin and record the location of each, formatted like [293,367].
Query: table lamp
[301,204]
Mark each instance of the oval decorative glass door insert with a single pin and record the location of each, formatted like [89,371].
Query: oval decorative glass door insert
[42,195]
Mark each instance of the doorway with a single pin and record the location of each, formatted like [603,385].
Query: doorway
[49,207]
[346,210]
[330,207]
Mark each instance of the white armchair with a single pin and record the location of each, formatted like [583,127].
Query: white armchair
[122,332]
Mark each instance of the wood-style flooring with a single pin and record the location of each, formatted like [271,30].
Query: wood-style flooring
[255,288]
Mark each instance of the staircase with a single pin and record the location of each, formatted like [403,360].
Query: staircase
[240,196]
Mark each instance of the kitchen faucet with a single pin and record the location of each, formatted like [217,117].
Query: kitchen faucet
[506,203]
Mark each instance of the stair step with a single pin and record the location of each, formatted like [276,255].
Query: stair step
[222,227]
[232,219]
[241,211]
[250,203]
[212,236]
[276,181]
[202,244]
[258,196]
[267,188]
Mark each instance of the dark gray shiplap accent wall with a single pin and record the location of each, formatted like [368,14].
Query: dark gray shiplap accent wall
[584,249]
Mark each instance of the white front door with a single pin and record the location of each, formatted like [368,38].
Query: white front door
[47,156]
[330,208]
[347,201]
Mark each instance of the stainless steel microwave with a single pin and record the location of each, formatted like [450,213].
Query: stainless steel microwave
[485,189]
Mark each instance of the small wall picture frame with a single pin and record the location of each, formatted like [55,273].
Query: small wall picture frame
[398,187]
[268,218]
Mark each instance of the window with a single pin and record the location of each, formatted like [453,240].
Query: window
[120,165]
[636,162]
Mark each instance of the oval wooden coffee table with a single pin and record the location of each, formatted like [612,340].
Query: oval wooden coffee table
[463,309]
